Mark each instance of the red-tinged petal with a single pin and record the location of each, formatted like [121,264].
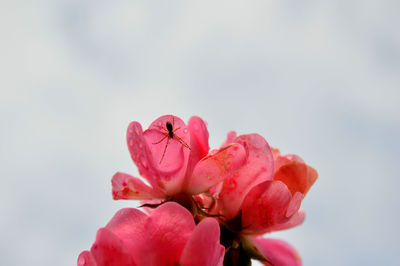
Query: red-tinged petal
[109,250]
[86,259]
[198,142]
[167,231]
[149,210]
[162,160]
[230,137]
[125,186]
[280,160]
[168,157]
[203,247]
[215,168]
[258,168]
[296,220]
[294,204]
[278,252]
[298,176]
[140,152]
[128,225]
[265,206]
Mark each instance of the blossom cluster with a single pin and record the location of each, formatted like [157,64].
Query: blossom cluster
[202,206]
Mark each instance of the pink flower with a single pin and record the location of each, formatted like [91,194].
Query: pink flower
[257,168]
[267,189]
[274,205]
[173,158]
[168,236]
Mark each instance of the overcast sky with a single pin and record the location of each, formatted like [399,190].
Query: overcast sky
[320,79]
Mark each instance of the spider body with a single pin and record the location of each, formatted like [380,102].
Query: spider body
[170,129]
[169,135]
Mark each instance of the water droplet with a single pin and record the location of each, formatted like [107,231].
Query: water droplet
[130,142]
[130,130]
[140,145]
[185,131]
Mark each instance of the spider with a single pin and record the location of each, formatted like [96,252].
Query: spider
[170,134]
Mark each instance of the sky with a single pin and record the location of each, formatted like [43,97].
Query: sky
[319,79]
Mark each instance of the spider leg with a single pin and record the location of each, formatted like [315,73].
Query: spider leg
[165,148]
[160,127]
[182,142]
[166,135]
[173,121]
[176,129]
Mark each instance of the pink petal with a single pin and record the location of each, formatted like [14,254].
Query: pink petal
[149,210]
[134,238]
[86,259]
[278,252]
[258,168]
[298,176]
[294,204]
[168,157]
[198,142]
[108,250]
[140,152]
[125,186]
[265,206]
[215,168]
[167,230]
[164,166]
[230,137]
[280,160]
[203,247]
[296,220]
[128,225]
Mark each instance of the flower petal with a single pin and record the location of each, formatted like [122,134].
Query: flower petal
[265,206]
[86,259]
[108,250]
[294,204]
[203,247]
[161,159]
[258,168]
[298,176]
[296,220]
[168,156]
[230,137]
[134,238]
[280,160]
[128,225]
[198,142]
[278,252]
[167,230]
[140,152]
[125,186]
[214,168]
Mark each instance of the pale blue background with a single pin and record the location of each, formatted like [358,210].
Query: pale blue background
[317,78]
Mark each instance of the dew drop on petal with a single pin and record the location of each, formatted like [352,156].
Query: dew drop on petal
[130,142]
[185,131]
